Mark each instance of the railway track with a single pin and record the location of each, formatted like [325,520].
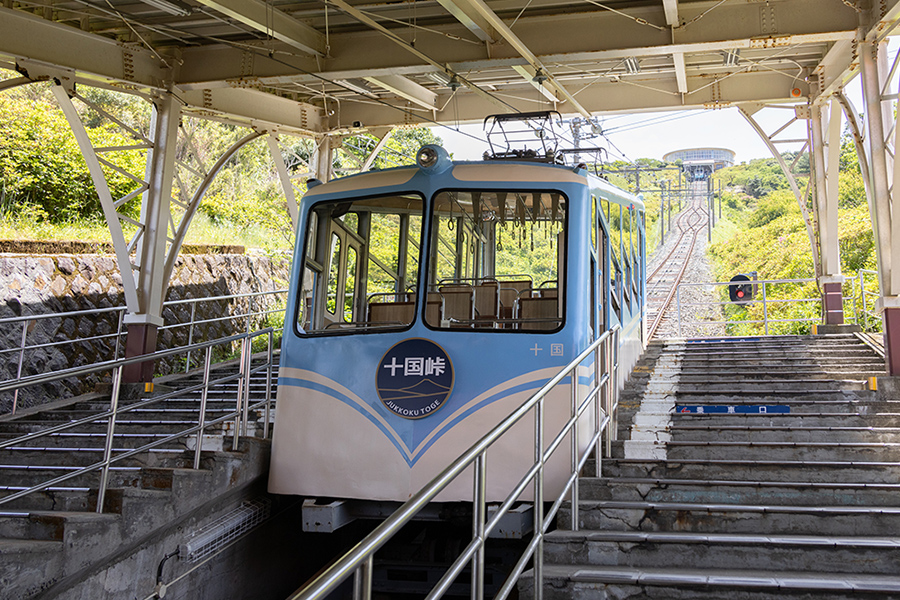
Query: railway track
[664,280]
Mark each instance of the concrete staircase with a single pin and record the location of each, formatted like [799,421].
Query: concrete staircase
[792,491]
[53,541]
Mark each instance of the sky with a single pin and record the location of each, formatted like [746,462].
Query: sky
[651,135]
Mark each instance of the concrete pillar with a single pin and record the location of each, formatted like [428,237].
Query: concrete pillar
[150,261]
[873,65]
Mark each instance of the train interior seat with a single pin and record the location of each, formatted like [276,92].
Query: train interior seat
[487,300]
[537,313]
[459,304]
[509,293]
[391,313]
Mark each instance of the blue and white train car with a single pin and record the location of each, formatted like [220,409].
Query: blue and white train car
[428,302]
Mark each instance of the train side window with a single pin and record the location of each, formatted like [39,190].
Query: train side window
[497,260]
[361,265]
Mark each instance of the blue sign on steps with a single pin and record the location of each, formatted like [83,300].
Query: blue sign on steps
[739,409]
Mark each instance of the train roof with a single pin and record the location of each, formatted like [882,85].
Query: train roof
[517,173]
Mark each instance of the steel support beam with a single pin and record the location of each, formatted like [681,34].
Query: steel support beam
[287,185]
[129,288]
[473,21]
[264,17]
[406,88]
[680,72]
[150,261]
[513,40]
[382,142]
[197,198]
[24,35]
[671,9]
[792,181]
[323,155]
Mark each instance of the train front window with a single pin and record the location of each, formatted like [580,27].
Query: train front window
[361,265]
[497,261]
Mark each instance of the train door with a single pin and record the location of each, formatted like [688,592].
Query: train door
[342,281]
[596,275]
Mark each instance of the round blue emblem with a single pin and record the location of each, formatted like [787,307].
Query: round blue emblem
[415,377]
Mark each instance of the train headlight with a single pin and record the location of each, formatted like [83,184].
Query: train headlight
[433,159]
[427,157]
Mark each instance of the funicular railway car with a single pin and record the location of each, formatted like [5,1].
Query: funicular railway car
[428,302]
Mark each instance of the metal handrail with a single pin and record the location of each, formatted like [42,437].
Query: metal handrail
[28,322]
[240,413]
[765,301]
[359,561]
[866,313]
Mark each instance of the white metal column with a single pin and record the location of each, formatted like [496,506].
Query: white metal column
[825,138]
[150,260]
[876,78]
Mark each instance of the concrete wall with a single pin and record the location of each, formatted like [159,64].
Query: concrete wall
[41,284]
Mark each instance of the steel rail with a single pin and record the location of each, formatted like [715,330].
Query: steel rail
[689,222]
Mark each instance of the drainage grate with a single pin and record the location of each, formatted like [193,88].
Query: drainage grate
[218,534]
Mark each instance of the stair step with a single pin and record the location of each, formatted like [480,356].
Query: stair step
[724,491]
[766,470]
[564,582]
[735,518]
[817,554]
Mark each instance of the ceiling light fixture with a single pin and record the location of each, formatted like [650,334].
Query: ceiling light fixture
[731,58]
[632,65]
[355,86]
[173,7]
[439,77]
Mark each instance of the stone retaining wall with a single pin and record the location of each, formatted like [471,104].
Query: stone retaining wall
[42,284]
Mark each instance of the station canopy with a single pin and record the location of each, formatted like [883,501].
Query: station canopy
[331,66]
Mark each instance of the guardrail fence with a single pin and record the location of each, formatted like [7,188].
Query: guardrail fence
[601,396]
[112,455]
[240,312]
[777,306]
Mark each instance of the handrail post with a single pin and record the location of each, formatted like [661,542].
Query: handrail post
[862,293]
[240,400]
[269,384]
[362,581]
[110,433]
[187,366]
[539,500]
[608,395]
[119,335]
[249,314]
[15,401]
[765,309]
[246,383]
[478,517]
[574,448]
[203,396]
[614,416]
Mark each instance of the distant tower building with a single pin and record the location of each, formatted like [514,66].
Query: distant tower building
[700,163]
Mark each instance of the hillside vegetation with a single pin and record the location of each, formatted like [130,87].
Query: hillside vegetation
[763,231]
[46,191]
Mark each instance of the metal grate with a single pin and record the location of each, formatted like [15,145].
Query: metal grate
[218,534]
